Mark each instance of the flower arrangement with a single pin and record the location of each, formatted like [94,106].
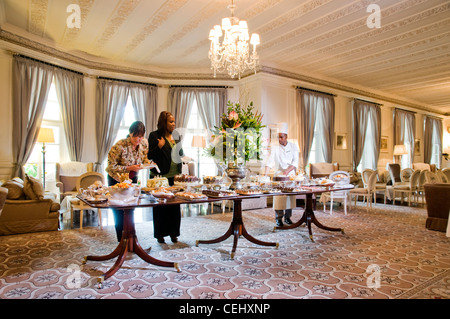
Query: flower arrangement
[238,139]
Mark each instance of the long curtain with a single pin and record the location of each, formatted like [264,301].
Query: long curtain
[315,109]
[110,106]
[211,105]
[145,99]
[180,101]
[363,113]
[404,131]
[71,97]
[31,84]
[432,134]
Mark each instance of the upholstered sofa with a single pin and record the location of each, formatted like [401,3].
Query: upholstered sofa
[28,208]
[438,206]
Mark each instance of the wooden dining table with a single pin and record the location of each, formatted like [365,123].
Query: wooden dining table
[129,241]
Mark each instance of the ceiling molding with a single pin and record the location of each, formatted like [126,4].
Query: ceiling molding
[103,67]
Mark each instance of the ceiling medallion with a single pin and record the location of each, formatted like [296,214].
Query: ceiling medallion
[233,54]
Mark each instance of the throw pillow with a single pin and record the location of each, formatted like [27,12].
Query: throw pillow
[15,190]
[33,188]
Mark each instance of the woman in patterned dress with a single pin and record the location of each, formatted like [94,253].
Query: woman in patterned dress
[127,156]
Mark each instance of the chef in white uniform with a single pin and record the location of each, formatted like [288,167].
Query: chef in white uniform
[284,160]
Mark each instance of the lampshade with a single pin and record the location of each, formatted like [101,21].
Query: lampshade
[46,135]
[400,150]
[198,141]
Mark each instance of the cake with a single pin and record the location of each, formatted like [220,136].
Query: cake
[281,178]
[184,178]
[218,193]
[157,182]
[212,179]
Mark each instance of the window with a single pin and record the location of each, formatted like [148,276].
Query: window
[368,155]
[317,155]
[406,159]
[195,127]
[124,129]
[436,146]
[54,152]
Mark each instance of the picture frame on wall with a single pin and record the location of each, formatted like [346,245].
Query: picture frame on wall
[384,144]
[340,142]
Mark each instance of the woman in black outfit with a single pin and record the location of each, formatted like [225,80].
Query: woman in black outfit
[166,219]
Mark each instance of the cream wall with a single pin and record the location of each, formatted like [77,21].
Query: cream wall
[273,95]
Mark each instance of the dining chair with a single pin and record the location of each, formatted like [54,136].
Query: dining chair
[394,171]
[431,178]
[420,186]
[83,182]
[340,178]
[410,188]
[367,192]
[442,177]
[446,171]
[405,174]
[379,186]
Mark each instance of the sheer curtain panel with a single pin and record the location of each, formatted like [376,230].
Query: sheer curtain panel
[145,99]
[211,104]
[181,100]
[432,135]
[315,109]
[31,84]
[111,101]
[404,131]
[365,113]
[71,97]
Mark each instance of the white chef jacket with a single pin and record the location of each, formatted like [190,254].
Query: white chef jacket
[281,157]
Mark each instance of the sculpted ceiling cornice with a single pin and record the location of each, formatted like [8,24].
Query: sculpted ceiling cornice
[97,66]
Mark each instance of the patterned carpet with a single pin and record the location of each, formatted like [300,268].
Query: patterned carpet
[384,254]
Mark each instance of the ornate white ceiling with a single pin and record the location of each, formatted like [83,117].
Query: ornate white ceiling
[407,58]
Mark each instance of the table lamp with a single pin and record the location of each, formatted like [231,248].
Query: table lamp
[45,136]
[199,142]
[399,150]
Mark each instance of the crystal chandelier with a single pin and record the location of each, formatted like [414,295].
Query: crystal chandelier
[233,55]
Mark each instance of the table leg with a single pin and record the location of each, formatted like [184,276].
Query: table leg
[128,243]
[236,229]
[309,218]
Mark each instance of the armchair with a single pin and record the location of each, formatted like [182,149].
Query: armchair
[67,175]
[438,206]
[3,194]
[83,182]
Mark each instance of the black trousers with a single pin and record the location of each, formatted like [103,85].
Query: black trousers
[118,213]
[167,219]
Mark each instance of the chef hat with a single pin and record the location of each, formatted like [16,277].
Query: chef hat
[283,128]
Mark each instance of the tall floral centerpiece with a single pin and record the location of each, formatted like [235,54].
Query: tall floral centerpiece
[237,140]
